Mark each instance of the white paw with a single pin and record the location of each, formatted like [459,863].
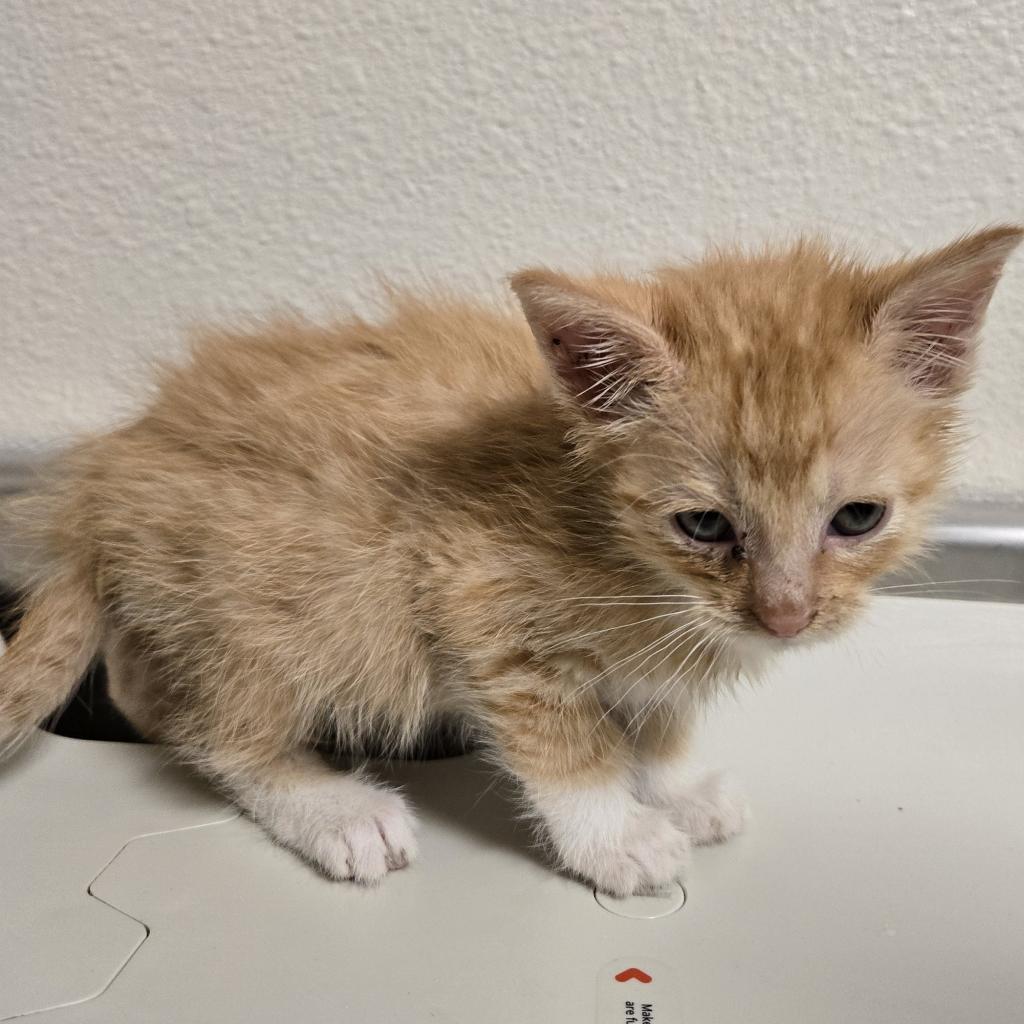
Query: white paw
[650,853]
[711,810]
[347,827]
[611,840]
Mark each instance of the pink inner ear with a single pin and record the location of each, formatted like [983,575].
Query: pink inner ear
[938,316]
[941,336]
[593,365]
[605,357]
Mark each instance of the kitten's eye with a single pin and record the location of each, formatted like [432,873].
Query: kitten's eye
[706,526]
[856,518]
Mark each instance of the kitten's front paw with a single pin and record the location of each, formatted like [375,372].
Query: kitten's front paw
[711,810]
[648,852]
[347,827]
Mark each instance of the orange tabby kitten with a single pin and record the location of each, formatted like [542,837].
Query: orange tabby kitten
[564,541]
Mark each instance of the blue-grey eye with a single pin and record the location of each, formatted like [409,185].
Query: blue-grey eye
[856,518]
[706,526]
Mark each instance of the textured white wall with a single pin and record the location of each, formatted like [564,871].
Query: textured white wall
[167,160]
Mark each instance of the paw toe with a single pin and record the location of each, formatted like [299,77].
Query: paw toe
[714,810]
[652,854]
[349,829]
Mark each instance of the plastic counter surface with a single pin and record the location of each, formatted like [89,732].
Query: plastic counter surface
[881,878]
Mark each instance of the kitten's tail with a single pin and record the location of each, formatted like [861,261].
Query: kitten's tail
[57,639]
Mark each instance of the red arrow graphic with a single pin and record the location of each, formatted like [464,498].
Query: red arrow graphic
[634,973]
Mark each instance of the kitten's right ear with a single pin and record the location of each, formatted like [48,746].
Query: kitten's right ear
[604,357]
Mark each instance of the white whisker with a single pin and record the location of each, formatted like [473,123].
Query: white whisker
[624,625]
[937,583]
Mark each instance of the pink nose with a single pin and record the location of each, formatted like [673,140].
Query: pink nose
[784,619]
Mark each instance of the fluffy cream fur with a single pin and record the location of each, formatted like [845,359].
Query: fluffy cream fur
[459,513]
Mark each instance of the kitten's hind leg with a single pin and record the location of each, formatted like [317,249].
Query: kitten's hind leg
[342,822]
[345,824]
[136,686]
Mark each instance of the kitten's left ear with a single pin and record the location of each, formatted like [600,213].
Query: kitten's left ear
[606,359]
[932,308]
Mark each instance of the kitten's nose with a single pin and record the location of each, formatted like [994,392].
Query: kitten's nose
[785,619]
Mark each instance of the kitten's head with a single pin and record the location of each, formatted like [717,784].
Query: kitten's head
[770,430]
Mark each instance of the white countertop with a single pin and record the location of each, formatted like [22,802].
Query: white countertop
[882,878]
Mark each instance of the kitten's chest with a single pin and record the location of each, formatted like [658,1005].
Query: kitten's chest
[655,669]
[633,691]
